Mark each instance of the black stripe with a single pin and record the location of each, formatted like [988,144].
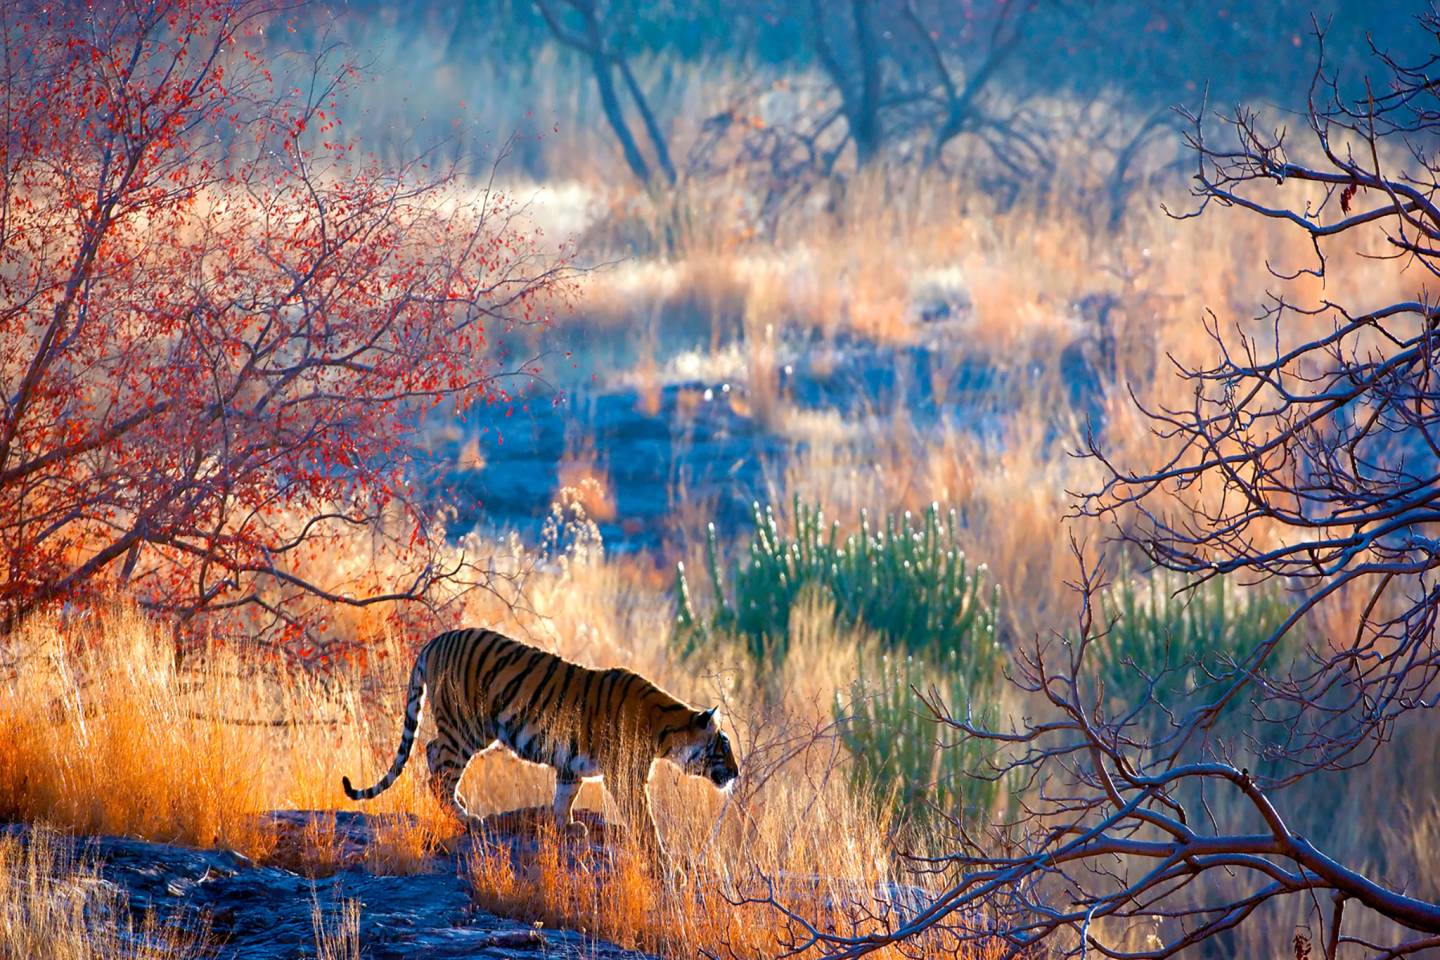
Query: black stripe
[444,714]
[590,676]
[472,659]
[556,695]
[622,688]
[529,713]
[607,683]
[513,687]
[667,731]
[529,710]
[481,641]
[447,643]
[501,662]
[584,710]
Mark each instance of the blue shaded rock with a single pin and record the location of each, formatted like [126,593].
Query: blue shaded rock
[707,437]
[259,912]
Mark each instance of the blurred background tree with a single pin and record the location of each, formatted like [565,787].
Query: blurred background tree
[897,82]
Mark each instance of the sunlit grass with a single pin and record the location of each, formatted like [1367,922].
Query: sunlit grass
[112,736]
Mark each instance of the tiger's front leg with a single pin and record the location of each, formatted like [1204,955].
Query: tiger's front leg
[567,788]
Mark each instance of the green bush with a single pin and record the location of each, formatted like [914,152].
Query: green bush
[906,760]
[907,581]
[1183,636]
[1182,641]
[909,584]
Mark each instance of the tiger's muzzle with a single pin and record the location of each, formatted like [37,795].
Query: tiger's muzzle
[722,774]
[720,765]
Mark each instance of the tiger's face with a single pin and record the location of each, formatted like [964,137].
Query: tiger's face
[708,753]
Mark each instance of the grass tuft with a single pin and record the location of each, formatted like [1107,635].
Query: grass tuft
[55,906]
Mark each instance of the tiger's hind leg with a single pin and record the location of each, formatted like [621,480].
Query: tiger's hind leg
[447,763]
[567,788]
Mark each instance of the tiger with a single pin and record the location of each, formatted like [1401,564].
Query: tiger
[487,689]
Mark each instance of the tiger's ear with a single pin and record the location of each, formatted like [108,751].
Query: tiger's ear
[707,716]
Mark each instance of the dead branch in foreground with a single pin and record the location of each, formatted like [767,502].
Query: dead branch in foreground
[1311,460]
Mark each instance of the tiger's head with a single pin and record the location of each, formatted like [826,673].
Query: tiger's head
[703,750]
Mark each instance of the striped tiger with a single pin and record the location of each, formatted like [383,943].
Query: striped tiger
[485,688]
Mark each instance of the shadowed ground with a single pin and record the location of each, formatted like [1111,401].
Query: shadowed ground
[268,913]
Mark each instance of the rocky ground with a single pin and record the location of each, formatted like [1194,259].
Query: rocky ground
[259,912]
[709,435]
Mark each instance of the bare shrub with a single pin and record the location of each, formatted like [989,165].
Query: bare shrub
[1312,461]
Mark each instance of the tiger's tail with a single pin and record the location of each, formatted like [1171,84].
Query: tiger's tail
[414,706]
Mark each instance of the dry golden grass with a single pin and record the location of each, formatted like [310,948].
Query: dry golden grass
[110,735]
[620,902]
[875,257]
[84,711]
[792,826]
[97,703]
[337,937]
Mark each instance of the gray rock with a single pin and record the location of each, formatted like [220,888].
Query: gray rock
[259,912]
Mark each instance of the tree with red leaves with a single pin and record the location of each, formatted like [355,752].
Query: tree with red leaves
[219,321]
